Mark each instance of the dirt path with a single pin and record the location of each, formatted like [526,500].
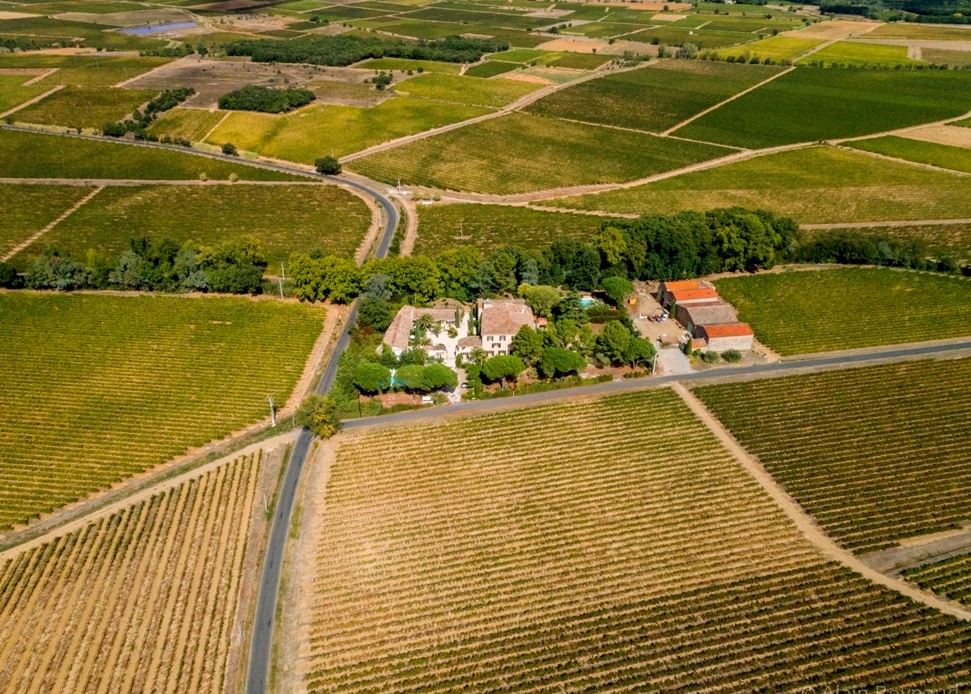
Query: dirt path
[67,213]
[31,101]
[806,525]
[411,229]
[880,225]
[105,182]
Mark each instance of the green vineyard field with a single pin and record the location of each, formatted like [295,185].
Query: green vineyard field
[950,578]
[607,544]
[876,455]
[849,308]
[98,388]
[25,210]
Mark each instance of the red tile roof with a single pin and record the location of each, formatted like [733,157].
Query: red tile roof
[693,294]
[727,330]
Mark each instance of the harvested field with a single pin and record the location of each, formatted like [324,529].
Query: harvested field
[521,152]
[473,91]
[192,124]
[839,29]
[318,130]
[957,158]
[25,210]
[654,98]
[29,155]
[942,135]
[149,597]
[574,563]
[818,185]
[98,388]
[950,578]
[876,455]
[284,219]
[491,227]
[844,103]
[849,308]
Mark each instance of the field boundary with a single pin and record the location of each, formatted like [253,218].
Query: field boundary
[31,102]
[918,164]
[803,521]
[64,215]
[880,225]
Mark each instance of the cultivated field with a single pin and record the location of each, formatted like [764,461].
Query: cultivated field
[844,103]
[473,91]
[491,227]
[147,598]
[654,98]
[30,155]
[817,185]
[98,388]
[599,558]
[403,65]
[819,311]
[859,54]
[192,124]
[942,240]
[25,210]
[84,107]
[491,68]
[950,578]
[284,218]
[944,156]
[778,48]
[320,130]
[876,455]
[520,152]
[13,92]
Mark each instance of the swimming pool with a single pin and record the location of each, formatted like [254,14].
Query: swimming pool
[145,31]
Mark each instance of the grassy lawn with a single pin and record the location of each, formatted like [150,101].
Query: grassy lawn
[653,98]
[192,124]
[857,54]
[779,48]
[105,387]
[520,152]
[85,107]
[25,210]
[319,130]
[491,68]
[817,185]
[284,219]
[13,93]
[30,155]
[472,91]
[843,103]
[491,227]
[849,308]
[403,65]
[877,454]
[945,156]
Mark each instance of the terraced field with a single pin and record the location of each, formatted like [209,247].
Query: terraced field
[876,455]
[819,311]
[654,98]
[576,563]
[338,130]
[944,156]
[30,155]
[950,578]
[817,185]
[491,227]
[844,103]
[25,210]
[146,598]
[285,219]
[519,152]
[97,388]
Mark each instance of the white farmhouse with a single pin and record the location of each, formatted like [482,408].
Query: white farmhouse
[500,320]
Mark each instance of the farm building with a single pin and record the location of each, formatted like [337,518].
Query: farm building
[692,315]
[685,290]
[500,320]
[721,337]
[399,334]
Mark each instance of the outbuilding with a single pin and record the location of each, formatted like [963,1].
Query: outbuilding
[727,336]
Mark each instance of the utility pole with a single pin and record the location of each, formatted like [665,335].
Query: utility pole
[272,411]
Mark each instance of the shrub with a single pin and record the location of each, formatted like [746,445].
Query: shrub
[328,166]
[319,414]
[732,356]
[230,149]
[709,357]
[114,129]
[9,279]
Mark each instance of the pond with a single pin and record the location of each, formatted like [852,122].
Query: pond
[145,31]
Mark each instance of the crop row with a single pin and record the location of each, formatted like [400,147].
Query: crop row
[876,454]
[145,599]
[98,388]
[950,578]
[607,544]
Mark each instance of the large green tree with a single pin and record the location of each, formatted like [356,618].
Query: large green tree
[613,342]
[541,299]
[527,344]
[319,414]
[370,377]
[502,367]
[617,289]
[559,361]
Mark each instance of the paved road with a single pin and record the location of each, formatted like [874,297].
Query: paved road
[793,366]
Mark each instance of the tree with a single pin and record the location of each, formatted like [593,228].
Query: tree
[319,414]
[614,341]
[438,376]
[370,377]
[411,377]
[617,289]
[375,312]
[585,272]
[639,351]
[9,279]
[559,361]
[501,367]
[612,245]
[541,299]
[527,344]
[457,267]
[230,149]
[477,355]
[329,166]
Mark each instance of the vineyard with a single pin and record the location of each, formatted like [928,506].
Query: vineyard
[25,210]
[950,578]
[627,551]
[192,124]
[98,388]
[474,91]
[849,308]
[313,217]
[945,156]
[146,599]
[876,455]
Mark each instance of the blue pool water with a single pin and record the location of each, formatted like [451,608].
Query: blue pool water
[587,301]
[144,31]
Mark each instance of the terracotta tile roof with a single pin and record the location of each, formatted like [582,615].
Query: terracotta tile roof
[504,317]
[708,313]
[398,333]
[693,294]
[470,341]
[727,330]
[678,285]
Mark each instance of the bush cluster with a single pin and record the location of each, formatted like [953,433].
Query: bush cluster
[140,120]
[265,99]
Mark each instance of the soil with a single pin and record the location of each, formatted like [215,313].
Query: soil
[835,29]
[955,136]
[531,79]
[575,45]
